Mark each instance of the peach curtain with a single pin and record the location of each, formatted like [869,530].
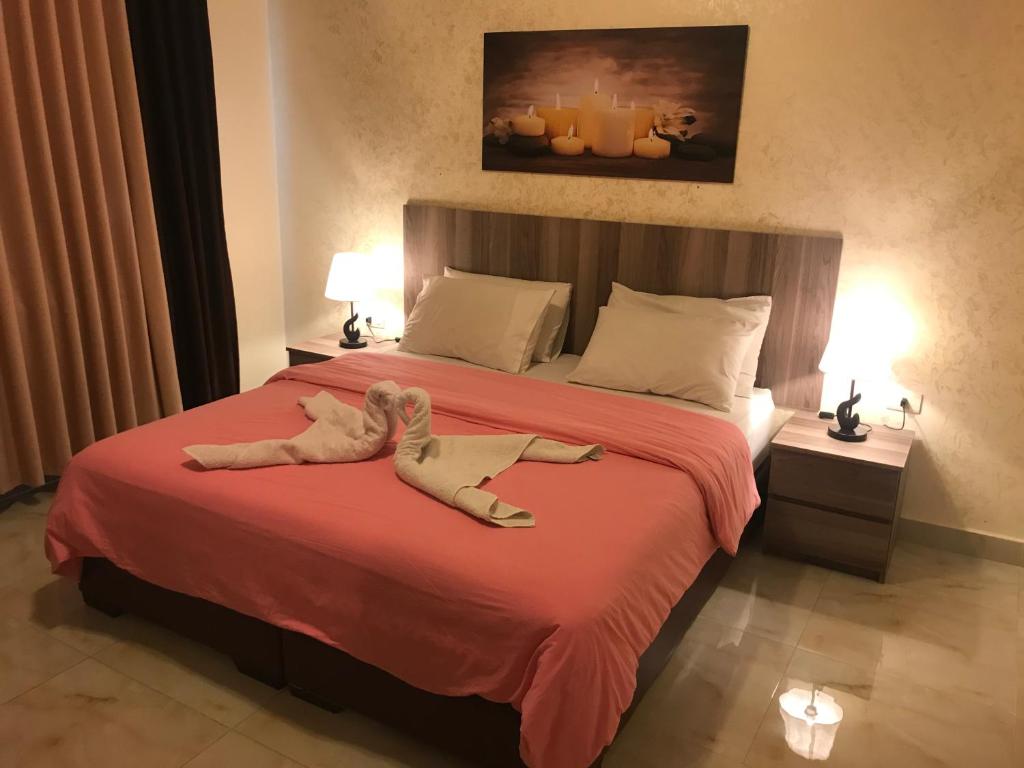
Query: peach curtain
[85,337]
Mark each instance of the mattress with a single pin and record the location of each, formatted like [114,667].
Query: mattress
[757,416]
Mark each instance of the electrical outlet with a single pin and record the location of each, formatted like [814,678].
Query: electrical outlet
[915,400]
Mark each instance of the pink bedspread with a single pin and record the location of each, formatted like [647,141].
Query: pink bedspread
[551,619]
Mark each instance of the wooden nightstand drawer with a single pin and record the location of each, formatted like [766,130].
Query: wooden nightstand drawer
[843,485]
[828,538]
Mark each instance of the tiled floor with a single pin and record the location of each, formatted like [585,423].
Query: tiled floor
[928,669]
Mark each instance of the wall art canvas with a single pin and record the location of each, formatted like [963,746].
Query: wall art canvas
[637,103]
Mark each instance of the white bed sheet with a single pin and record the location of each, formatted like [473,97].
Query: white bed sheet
[756,416]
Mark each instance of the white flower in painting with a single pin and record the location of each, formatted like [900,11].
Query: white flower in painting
[499,128]
[675,120]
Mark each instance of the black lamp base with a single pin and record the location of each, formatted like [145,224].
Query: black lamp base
[351,339]
[849,429]
[856,435]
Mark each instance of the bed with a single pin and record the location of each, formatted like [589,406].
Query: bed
[429,620]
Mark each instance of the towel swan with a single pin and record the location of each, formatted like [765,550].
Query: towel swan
[339,433]
[450,467]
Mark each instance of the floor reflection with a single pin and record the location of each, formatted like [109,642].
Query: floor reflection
[811,719]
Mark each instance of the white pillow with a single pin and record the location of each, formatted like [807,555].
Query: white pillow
[746,307]
[556,318]
[692,357]
[481,322]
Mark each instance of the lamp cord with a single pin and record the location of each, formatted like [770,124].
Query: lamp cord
[373,335]
[903,407]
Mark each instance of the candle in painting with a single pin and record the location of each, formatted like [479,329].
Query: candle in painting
[651,147]
[643,120]
[590,104]
[567,145]
[557,119]
[528,124]
[613,132]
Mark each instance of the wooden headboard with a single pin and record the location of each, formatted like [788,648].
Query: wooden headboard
[799,271]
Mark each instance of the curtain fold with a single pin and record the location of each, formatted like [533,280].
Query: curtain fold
[173,63]
[85,337]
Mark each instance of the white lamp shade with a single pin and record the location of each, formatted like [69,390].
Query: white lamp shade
[870,329]
[349,278]
[856,357]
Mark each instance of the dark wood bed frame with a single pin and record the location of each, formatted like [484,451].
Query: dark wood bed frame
[799,271]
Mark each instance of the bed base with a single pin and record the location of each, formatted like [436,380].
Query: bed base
[467,726]
[484,732]
[254,645]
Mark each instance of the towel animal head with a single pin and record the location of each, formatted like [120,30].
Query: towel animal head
[419,422]
[384,397]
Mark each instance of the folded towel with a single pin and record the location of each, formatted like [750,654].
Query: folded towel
[450,467]
[339,433]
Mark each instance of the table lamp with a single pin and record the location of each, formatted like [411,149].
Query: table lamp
[854,354]
[348,281]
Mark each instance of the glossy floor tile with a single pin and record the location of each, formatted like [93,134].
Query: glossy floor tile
[29,657]
[188,672]
[949,575]
[236,751]
[928,670]
[766,596]
[319,739]
[712,695]
[885,721]
[21,536]
[919,635]
[91,715]
[54,605]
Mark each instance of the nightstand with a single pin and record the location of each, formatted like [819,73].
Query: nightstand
[834,503]
[326,347]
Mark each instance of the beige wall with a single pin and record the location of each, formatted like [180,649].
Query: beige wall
[238,29]
[899,124]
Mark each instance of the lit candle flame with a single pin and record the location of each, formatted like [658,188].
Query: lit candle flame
[595,85]
[615,101]
[558,101]
[529,112]
[572,129]
[650,134]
